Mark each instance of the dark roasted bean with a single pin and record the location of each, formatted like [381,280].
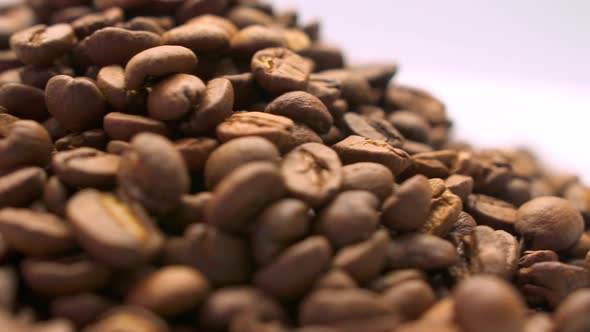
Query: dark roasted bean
[372,128]
[23,101]
[279,70]
[302,107]
[21,187]
[408,208]
[96,46]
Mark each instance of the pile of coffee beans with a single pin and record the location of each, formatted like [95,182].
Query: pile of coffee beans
[212,166]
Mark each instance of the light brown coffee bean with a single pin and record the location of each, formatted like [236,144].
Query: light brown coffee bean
[570,315]
[76,103]
[254,38]
[492,212]
[156,62]
[279,70]
[399,97]
[460,185]
[24,143]
[232,208]
[359,149]
[291,274]
[23,101]
[549,223]
[111,82]
[313,173]
[368,176]
[42,45]
[302,107]
[421,251]
[170,290]
[88,24]
[175,96]
[372,128]
[196,151]
[201,37]
[86,167]
[81,309]
[216,106]
[410,299]
[277,129]
[364,261]
[121,126]
[130,319]
[55,196]
[153,173]
[97,45]
[409,207]
[445,209]
[125,235]
[35,233]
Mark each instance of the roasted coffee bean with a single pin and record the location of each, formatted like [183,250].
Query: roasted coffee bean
[279,70]
[170,290]
[302,107]
[81,309]
[65,276]
[324,56]
[325,89]
[460,185]
[350,218]
[275,128]
[277,227]
[202,37]
[94,138]
[196,151]
[409,207]
[292,273]
[517,192]
[147,24]
[21,187]
[121,126]
[244,16]
[42,45]
[8,60]
[549,223]
[551,282]
[125,235]
[128,318]
[364,261]
[55,129]
[226,303]
[335,279]
[570,315]
[175,96]
[420,251]
[194,8]
[492,212]
[371,177]
[492,252]
[86,167]
[8,286]
[24,143]
[372,128]
[156,62]
[23,101]
[410,299]
[215,106]
[246,90]
[356,149]
[488,304]
[400,97]
[39,76]
[111,82]
[153,173]
[35,233]
[254,38]
[235,153]
[313,173]
[76,103]
[233,191]
[88,24]
[411,125]
[529,258]
[445,209]
[55,196]
[222,257]
[96,46]
[191,210]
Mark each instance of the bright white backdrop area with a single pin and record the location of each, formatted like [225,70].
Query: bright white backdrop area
[512,73]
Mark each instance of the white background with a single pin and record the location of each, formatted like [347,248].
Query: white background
[512,72]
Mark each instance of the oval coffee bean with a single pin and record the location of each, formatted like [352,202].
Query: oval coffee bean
[277,227]
[312,173]
[364,260]
[216,105]
[200,37]
[492,212]
[88,24]
[292,273]
[24,143]
[254,38]
[420,251]
[76,103]
[68,275]
[486,304]
[86,167]
[371,128]
[97,45]
[35,233]
[23,101]
[408,209]
[411,125]
[302,107]
[118,234]
[123,127]
[492,252]
[279,70]
[460,185]
[21,187]
[232,207]
[549,223]
[398,97]
[410,298]
[236,153]
[571,316]
[130,319]
[351,217]
[192,9]
[153,173]
[371,177]
[111,82]
[39,76]
[41,44]
[170,290]
[175,96]
[356,149]
[81,309]
[156,62]
[55,196]
[277,129]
